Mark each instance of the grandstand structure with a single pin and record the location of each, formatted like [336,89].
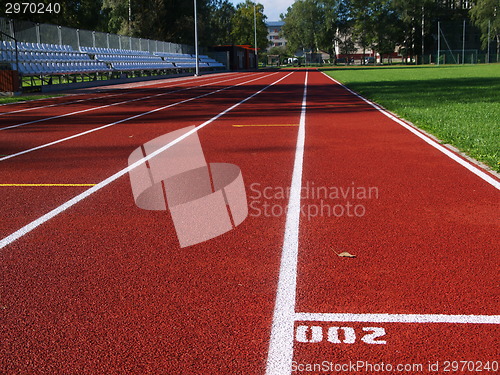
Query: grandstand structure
[37,64]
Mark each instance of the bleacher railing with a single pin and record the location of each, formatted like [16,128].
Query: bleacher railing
[31,32]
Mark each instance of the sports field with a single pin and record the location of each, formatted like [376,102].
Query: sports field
[367,246]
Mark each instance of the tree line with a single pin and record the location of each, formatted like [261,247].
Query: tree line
[219,21]
[314,25]
[382,25]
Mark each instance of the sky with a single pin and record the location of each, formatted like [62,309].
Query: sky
[272,8]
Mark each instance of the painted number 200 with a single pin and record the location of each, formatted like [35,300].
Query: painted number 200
[339,335]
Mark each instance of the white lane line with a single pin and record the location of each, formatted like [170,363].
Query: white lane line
[89,99]
[60,104]
[43,219]
[109,105]
[112,87]
[280,355]
[399,318]
[127,119]
[486,177]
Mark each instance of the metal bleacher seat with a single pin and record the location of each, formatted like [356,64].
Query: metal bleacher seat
[189,61]
[118,58]
[112,51]
[3,55]
[211,62]
[154,65]
[38,47]
[46,59]
[37,59]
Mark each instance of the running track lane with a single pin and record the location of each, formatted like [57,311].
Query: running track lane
[116,91]
[245,263]
[73,161]
[55,129]
[111,292]
[423,229]
[129,99]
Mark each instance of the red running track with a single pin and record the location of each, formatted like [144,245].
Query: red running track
[104,288]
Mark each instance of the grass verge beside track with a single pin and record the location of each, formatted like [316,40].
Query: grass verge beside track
[14,99]
[458,104]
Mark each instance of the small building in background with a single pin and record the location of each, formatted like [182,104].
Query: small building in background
[239,57]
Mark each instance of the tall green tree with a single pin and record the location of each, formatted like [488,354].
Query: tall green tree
[243,25]
[363,23]
[220,22]
[117,12]
[486,15]
[304,25]
[163,20]
[416,17]
[169,20]
[388,27]
[335,19]
[82,14]
[343,37]
[376,25]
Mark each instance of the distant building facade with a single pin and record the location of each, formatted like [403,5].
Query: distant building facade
[273,34]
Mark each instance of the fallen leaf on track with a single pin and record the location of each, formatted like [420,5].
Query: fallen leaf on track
[345,254]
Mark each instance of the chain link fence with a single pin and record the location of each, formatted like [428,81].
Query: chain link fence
[30,32]
[459,42]
[4,26]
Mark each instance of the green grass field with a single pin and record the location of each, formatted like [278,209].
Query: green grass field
[458,104]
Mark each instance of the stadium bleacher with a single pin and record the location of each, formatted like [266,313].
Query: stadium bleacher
[112,51]
[124,66]
[211,62]
[189,61]
[41,59]
[41,47]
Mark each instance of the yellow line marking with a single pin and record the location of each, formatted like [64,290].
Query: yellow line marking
[43,185]
[241,126]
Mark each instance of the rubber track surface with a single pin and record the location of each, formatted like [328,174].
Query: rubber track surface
[103,287]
